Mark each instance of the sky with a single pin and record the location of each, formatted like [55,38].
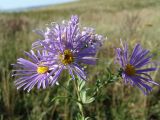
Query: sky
[20,4]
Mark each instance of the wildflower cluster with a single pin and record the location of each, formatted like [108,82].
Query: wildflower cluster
[64,46]
[67,46]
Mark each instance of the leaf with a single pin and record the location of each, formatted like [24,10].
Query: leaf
[81,84]
[58,97]
[89,100]
[83,96]
[87,118]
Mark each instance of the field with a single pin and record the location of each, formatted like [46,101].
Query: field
[130,20]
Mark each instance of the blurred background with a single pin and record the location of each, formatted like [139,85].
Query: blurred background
[131,20]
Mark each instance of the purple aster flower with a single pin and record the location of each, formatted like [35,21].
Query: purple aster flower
[56,32]
[133,70]
[70,48]
[33,72]
[95,39]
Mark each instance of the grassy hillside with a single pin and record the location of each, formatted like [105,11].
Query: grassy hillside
[131,20]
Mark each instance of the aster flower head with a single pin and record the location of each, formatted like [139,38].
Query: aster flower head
[70,47]
[132,66]
[35,71]
[56,32]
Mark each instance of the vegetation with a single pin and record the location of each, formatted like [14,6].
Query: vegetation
[131,20]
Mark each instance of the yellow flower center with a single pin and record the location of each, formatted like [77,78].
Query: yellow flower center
[130,70]
[42,69]
[66,57]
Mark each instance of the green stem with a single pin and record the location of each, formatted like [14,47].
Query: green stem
[80,104]
[71,95]
[110,79]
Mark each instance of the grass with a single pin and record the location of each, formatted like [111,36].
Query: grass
[131,20]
